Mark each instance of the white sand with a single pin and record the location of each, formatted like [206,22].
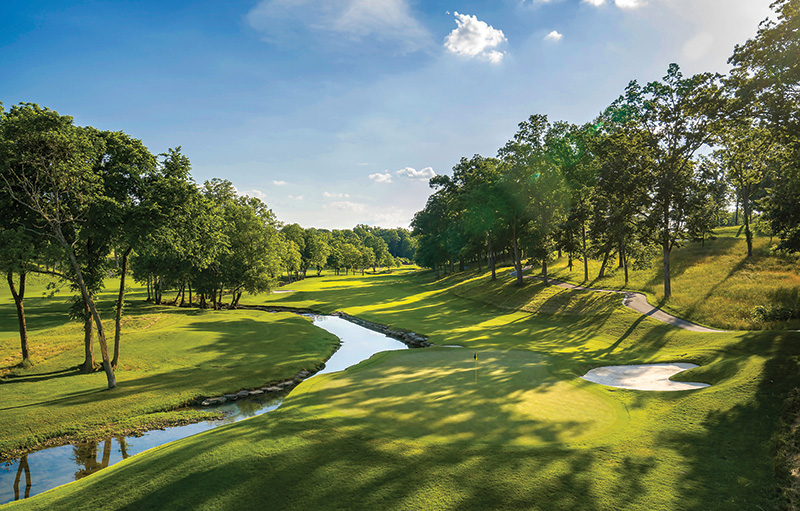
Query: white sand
[643,377]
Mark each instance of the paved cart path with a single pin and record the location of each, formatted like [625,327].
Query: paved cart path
[637,302]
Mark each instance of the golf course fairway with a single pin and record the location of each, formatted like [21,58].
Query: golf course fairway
[425,429]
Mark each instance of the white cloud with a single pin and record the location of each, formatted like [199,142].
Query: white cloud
[553,36]
[628,4]
[596,3]
[279,183]
[384,20]
[295,197]
[329,195]
[252,193]
[422,174]
[354,207]
[381,178]
[475,38]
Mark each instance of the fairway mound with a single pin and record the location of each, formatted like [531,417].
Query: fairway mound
[643,377]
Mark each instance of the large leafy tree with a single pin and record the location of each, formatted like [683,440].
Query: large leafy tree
[46,165]
[251,260]
[766,76]
[678,115]
[745,154]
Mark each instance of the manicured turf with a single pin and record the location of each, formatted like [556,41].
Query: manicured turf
[412,430]
[170,356]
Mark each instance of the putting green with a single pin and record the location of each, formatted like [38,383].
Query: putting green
[437,395]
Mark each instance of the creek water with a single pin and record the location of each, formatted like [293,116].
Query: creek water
[42,470]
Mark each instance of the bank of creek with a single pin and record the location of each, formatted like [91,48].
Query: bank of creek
[42,470]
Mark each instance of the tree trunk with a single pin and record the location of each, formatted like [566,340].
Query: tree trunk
[190,293]
[149,294]
[517,260]
[569,261]
[120,305]
[544,269]
[746,206]
[585,257]
[101,334]
[23,467]
[157,290]
[18,299]
[88,342]
[625,262]
[667,284]
[106,453]
[602,272]
[736,217]
[493,260]
[436,270]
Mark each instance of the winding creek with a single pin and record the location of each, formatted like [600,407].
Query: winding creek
[42,470]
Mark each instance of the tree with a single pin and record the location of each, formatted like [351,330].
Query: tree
[251,261]
[678,116]
[766,77]
[568,146]
[744,154]
[118,217]
[46,166]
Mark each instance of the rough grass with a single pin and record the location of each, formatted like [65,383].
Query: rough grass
[409,430]
[714,285]
[170,357]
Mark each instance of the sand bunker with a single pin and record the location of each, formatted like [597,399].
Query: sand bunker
[643,377]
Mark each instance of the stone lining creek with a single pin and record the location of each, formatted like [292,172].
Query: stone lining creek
[42,470]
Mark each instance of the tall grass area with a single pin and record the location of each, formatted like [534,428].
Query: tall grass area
[170,356]
[516,429]
[713,284]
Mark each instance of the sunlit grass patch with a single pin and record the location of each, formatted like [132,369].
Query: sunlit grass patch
[445,395]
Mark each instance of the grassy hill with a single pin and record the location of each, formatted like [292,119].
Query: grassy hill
[170,356]
[714,284]
[422,429]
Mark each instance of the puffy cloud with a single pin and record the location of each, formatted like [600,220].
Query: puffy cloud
[279,183]
[628,4]
[329,195]
[252,193]
[475,38]
[553,36]
[596,3]
[383,20]
[422,174]
[381,178]
[295,197]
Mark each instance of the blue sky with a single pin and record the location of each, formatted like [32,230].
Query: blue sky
[335,112]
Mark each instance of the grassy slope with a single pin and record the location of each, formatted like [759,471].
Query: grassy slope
[409,430]
[714,285]
[170,356]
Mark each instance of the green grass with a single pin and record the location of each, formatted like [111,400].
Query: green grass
[714,285]
[170,356]
[414,430]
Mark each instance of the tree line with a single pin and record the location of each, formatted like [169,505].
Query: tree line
[82,204]
[661,165]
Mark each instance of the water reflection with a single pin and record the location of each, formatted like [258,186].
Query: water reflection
[23,467]
[59,465]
